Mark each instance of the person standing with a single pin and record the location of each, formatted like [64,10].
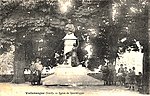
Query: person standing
[120,74]
[111,77]
[38,68]
[124,76]
[33,73]
[132,78]
[105,72]
[56,57]
[139,81]
[127,80]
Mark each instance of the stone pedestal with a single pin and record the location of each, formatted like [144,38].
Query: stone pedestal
[69,40]
[68,75]
[75,76]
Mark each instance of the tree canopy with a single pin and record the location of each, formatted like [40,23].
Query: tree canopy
[100,26]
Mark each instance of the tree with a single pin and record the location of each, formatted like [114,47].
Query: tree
[93,21]
[39,26]
[134,15]
[24,24]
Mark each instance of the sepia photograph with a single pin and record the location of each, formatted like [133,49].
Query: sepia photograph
[74,47]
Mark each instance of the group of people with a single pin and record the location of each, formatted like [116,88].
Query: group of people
[128,78]
[36,68]
[109,74]
[124,77]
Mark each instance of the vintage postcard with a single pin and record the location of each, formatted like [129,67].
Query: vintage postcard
[74,47]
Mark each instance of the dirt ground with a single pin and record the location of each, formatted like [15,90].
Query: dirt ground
[9,89]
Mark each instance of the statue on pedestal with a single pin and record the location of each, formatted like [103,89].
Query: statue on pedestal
[69,28]
[70,48]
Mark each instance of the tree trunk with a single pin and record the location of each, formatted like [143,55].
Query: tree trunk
[19,64]
[0,16]
[146,60]
[149,46]
[145,73]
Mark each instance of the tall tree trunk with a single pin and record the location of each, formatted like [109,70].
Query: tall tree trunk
[145,72]
[149,46]
[0,16]
[19,62]
[146,59]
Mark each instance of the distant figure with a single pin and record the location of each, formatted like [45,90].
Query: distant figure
[74,57]
[39,68]
[33,75]
[36,69]
[120,74]
[56,57]
[112,72]
[139,81]
[32,67]
[121,69]
[124,76]
[132,78]
[105,72]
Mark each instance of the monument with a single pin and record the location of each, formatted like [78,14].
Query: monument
[69,40]
[66,74]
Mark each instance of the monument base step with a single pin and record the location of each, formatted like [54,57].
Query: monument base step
[67,75]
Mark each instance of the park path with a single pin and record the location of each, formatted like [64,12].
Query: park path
[9,89]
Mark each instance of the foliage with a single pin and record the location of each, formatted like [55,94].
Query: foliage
[28,23]
[43,21]
[132,21]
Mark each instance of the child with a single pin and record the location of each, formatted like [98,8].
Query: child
[132,78]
